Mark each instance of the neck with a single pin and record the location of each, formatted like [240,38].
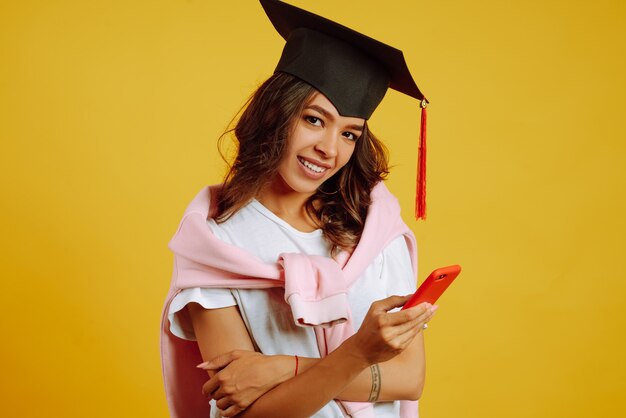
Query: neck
[288,205]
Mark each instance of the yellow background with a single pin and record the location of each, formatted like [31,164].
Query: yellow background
[109,114]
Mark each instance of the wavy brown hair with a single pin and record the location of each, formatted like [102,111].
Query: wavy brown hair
[340,204]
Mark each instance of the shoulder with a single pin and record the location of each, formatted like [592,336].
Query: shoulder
[202,207]
[397,266]
[205,202]
[382,197]
[384,208]
[383,222]
[397,247]
[193,234]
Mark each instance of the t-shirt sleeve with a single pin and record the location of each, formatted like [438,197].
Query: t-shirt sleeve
[397,271]
[180,322]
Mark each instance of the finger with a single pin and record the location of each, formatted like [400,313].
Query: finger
[390,303]
[422,319]
[400,342]
[405,339]
[414,324]
[410,330]
[220,393]
[218,362]
[231,411]
[224,403]
[400,317]
[210,386]
[430,307]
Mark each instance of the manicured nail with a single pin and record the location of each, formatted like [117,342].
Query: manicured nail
[203,365]
[434,308]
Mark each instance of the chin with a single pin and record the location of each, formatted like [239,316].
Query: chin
[300,186]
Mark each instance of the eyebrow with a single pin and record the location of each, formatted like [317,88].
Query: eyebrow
[327,114]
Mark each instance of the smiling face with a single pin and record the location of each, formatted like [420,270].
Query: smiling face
[320,144]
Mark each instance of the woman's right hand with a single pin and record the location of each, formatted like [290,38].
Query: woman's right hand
[240,377]
[383,335]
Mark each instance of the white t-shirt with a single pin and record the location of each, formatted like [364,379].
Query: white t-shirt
[265,313]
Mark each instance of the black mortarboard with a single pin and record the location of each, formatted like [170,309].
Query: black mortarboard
[352,70]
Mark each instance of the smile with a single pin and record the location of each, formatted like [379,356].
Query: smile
[314,168]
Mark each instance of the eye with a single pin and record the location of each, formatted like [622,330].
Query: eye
[350,135]
[313,120]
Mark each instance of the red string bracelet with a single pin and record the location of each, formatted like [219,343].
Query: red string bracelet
[296,373]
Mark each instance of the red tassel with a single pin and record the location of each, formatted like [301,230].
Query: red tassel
[420,192]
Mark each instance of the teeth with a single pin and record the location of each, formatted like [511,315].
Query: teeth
[312,167]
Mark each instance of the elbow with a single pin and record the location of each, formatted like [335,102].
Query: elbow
[416,393]
[417,384]
[415,388]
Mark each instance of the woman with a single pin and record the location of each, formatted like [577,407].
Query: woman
[301,233]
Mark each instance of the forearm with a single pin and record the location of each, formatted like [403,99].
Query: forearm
[320,381]
[399,378]
[402,377]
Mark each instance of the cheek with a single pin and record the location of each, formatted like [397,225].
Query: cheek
[291,147]
[300,137]
[346,153]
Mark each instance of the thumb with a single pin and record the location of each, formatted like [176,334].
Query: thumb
[218,362]
[391,302]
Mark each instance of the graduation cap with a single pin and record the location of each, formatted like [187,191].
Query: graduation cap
[352,70]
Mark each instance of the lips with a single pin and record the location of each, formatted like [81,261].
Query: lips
[312,168]
[314,164]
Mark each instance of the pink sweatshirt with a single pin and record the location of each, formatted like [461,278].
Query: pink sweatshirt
[315,288]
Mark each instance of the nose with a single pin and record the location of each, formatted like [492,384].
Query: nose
[327,144]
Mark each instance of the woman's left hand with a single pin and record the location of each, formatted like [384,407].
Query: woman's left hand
[243,377]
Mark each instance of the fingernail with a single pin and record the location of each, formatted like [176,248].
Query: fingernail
[434,308]
[203,365]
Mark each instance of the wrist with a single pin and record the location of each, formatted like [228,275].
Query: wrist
[287,367]
[354,353]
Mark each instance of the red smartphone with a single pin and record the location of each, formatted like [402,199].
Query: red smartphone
[433,286]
